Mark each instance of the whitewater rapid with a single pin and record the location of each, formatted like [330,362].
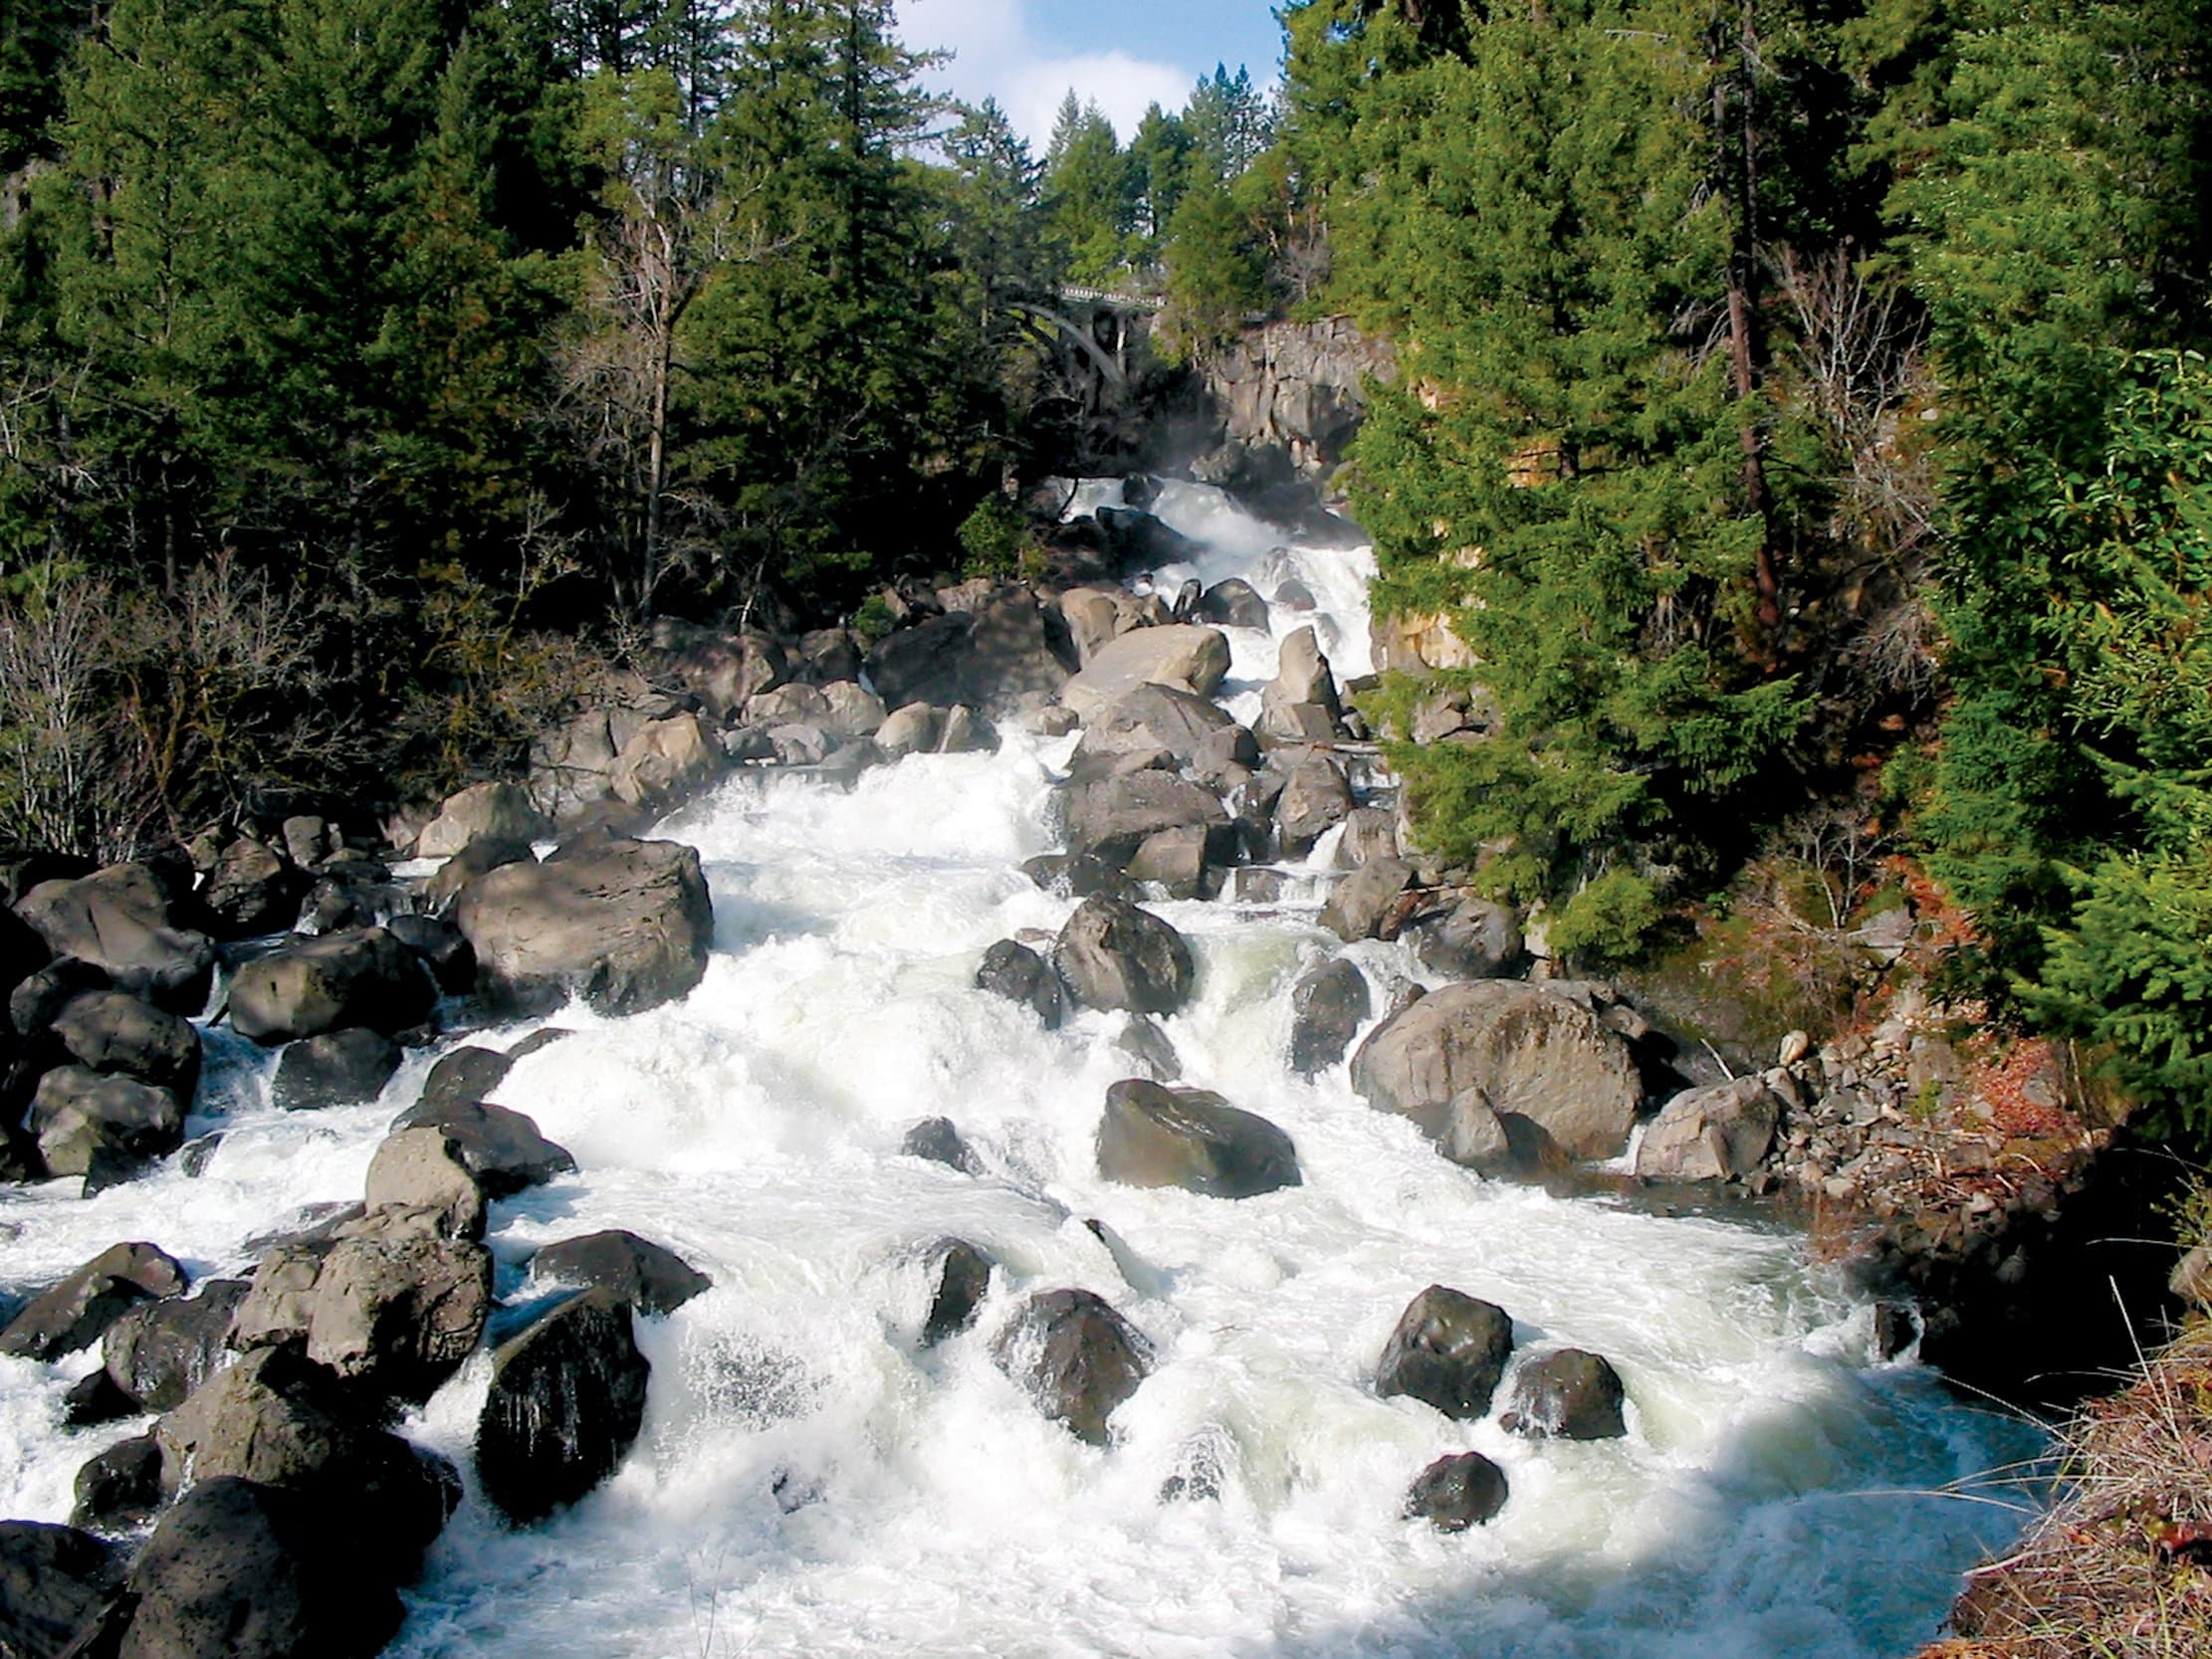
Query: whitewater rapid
[811,1482]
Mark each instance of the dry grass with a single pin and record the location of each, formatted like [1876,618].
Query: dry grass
[2121,1564]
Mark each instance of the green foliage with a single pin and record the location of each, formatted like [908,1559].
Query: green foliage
[1090,197]
[998,540]
[1213,273]
[1611,919]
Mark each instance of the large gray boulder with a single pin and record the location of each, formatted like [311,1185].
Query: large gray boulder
[83,1120]
[566,1401]
[1368,904]
[625,925]
[1478,938]
[1449,1350]
[76,1313]
[118,1034]
[242,1571]
[338,1067]
[1531,1051]
[499,811]
[1111,955]
[1315,796]
[1114,816]
[158,1352]
[1077,1358]
[1327,1007]
[118,919]
[422,1170]
[1154,1135]
[1567,1394]
[362,976]
[1300,704]
[501,1147]
[1151,719]
[667,762]
[1012,970]
[253,889]
[989,657]
[399,1315]
[51,1580]
[1185,656]
[1717,1133]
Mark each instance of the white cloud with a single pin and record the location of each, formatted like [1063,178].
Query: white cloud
[997,54]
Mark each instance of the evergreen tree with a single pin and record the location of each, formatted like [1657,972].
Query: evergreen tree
[1160,168]
[1228,122]
[1089,194]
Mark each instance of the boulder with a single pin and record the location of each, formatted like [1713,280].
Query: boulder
[422,1170]
[648,1275]
[1315,797]
[1154,1135]
[571,765]
[1149,1048]
[667,762]
[936,1140]
[93,1400]
[1449,1350]
[277,1419]
[720,668]
[787,706]
[1185,656]
[118,919]
[967,732]
[399,1315]
[961,1279]
[1077,1358]
[1718,1133]
[117,1034]
[308,840]
[567,1399]
[1137,541]
[444,950]
[253,889]
[51,1580]
[625,925]
[501,1147]
[480,857]
[1149,718]
[1111,955]
[337,903]
[76,1313]
[1077,876]
[242,1571]
[1233,603]
[499,811]
[854,710]
[1327,1007]
[1012,970]
[38,1000]
[1491,1143]
[1185,862]
[1368,904]
[910,729]
[1457,1492]
[990,657]
[1369,833]
[82,1120]
[1478,938]
[118,1488]
[1567,1394]
[1530,1050]
[279,1305]
[362,976]
[338,1067]
[470,1073]
[158,1352]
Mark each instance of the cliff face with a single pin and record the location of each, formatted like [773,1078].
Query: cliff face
[1297,385]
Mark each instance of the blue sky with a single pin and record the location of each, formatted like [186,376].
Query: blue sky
[1123,53]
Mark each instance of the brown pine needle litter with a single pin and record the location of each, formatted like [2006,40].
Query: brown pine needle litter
[2121,1566]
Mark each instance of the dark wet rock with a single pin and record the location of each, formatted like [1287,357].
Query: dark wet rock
[959,1275]
[1478,938]
[566,1401]
[1897,1328]
[339,904]
[81,1118]
[38,1000]
[467,1075]
[22,951]
[1111,955]
[119,1488]
[423,1170]
[650,1276]
[338,1067]
[364,977]
[1233,603]
[119,920]
[623,925]
[1077,876]
[159,1352]
[1328,1006]
[119,1035]
[1113,817]
[1078,1359]
[76,1313]
[1531,1050]
[1150,1047]
[936,1139]
[1154,1135]
[51,1580]
[1710,1135]
[253,889]
[444,952]
[1449,1350]
[1568,1394]
[1455,1493]
[399,1315]
[93,1400]
[1012,970]
[501,1147]
[237,1570]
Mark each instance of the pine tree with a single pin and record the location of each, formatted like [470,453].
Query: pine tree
[1089,194]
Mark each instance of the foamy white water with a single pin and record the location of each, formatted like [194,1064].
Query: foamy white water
[809,1482]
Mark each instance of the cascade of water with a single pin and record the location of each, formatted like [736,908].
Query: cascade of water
[811,1481]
